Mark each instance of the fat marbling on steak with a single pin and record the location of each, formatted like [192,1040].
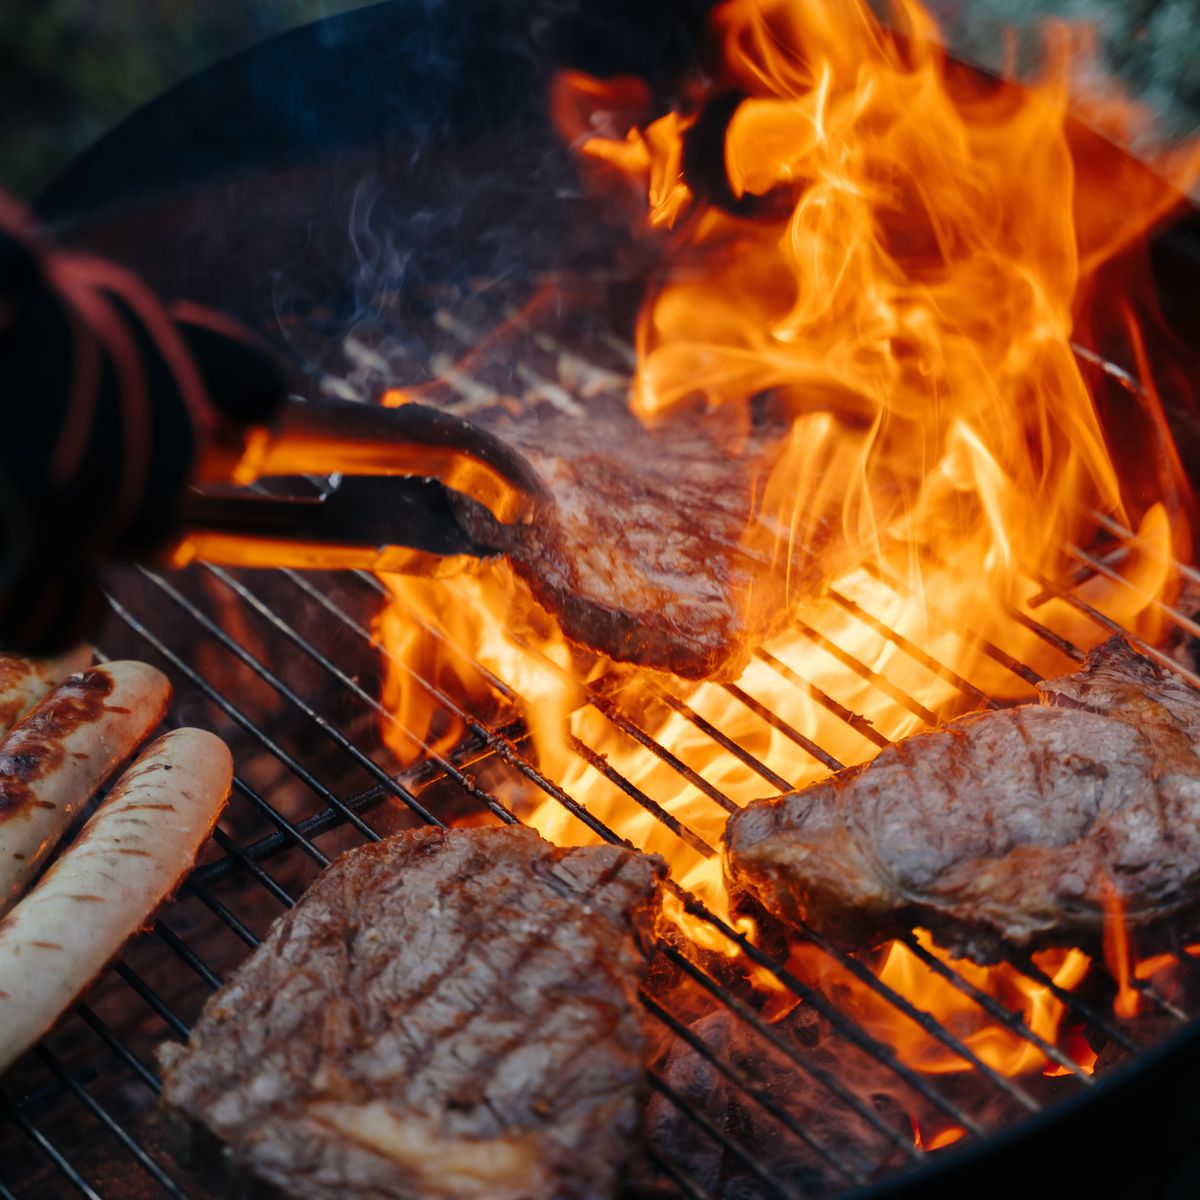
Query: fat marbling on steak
[999,828]
[444,1014]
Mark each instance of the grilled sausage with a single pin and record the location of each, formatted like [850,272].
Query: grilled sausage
[129,858]
[24,681]
[53,761]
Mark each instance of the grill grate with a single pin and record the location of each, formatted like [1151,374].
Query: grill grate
[314,779]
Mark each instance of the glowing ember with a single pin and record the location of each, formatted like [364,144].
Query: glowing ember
[935,1141]
[898,260]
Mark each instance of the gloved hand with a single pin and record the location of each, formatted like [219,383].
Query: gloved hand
[110,404]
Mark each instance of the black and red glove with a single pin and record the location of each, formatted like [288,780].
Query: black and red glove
[110,402]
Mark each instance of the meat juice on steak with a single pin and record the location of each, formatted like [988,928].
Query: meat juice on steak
[446,1013]
[999,828]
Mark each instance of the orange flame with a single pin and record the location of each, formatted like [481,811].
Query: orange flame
[1118,954]
[897,260]
[943,1137]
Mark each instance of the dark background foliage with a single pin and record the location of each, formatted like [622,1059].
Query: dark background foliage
[69,69]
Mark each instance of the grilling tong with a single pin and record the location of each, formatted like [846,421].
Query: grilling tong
[404,489]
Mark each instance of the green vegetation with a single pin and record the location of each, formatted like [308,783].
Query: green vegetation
[1153,46]
[69,69]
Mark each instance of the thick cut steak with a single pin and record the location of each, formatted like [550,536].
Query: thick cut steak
[653,551]
[444,1014]
[1009,827]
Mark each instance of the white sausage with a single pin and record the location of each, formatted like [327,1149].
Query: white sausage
[109,883]
[24,681]
[53,761]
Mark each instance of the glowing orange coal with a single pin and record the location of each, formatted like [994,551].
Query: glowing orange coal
[896,257]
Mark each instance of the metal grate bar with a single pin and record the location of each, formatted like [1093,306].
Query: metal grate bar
[700,910]
[1006,660]
[923,1019]
[5,1194]
[118,1047]
[1047,635]
[840,1021]
[182,951]
[1145,988]
[287,829]
[269,614]
[1060,643]
[639,735]
[1112,627]
[375,585]
[1011,1020]
[1088,1012]
[236,714]
[47,1147]
[1184,622]
[335,735]
[152,999]
[678,1176]
[723,740]
[880,682]
[789,1050]
[776,722]
[600,764]
[748,1160]
[236,853]
[603,831]
[233,922]
[981,698]
[101,1114]
[744,1083]
[274,844]
[856,721]
[1112,525]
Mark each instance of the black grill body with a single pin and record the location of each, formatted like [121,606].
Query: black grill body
[368,172]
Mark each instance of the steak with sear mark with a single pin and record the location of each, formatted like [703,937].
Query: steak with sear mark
[999,828]
[447,1013]
[653,549]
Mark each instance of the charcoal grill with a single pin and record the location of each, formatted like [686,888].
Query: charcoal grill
[371,238]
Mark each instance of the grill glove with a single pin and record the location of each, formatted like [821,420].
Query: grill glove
[109,404]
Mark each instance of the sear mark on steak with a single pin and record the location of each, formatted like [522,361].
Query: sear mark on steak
[444,1014]
[999,828]
[653,550]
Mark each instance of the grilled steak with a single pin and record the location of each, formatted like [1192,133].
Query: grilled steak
[653,550]
[445,1014]
[1005,827]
